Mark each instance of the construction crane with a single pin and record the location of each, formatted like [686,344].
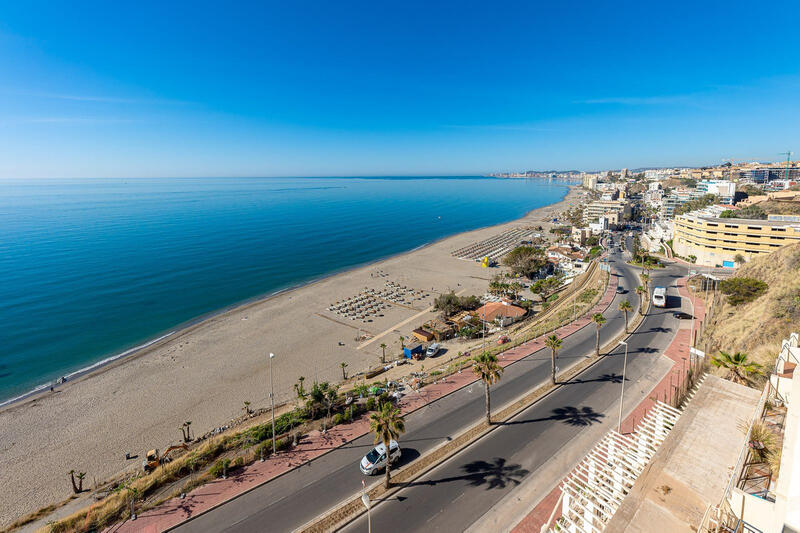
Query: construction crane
[788,160]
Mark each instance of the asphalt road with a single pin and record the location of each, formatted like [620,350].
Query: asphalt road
[305,492]
[457,493]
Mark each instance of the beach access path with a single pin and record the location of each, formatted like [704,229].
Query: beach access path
[205,372]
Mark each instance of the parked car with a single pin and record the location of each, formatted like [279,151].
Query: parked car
[375,460]
[681,315]
[432,350]
[502,340]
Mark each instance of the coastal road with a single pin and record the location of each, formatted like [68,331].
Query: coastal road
[458,492]
[302,494]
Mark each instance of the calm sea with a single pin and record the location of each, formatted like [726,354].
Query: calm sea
[92,268]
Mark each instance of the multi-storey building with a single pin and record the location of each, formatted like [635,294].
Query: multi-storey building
[717,241]
[613,210]
[726,190]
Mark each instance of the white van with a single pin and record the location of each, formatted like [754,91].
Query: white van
[433,349]
[660,297]
[375,460]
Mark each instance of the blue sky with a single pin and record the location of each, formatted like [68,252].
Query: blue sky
[375,88]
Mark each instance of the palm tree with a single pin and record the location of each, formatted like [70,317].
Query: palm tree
[740,369]
[246,407]
[598,320]
[344,372]
[77,488]
[383,355]
[645,280]
[402,343]
[642,295]
[554,343]
[387,424]
[331,394]
[626,307]
[299,389]
[486,368]
[185,431]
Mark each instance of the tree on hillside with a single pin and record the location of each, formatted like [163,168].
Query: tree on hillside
[697,203]
[525,260]
[739,259]
[741,290]
[598,320]
[487,369]
[546,287]
[625,307]
[343,365]
[740,369]
[387,424]
[554,343]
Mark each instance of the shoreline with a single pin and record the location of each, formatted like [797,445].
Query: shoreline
[203,372]
[111,360]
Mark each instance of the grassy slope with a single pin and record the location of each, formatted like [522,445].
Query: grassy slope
[757,328]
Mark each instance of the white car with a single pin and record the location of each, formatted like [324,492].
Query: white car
[433,349]
[375,460]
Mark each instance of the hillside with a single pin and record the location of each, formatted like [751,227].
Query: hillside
[758,327]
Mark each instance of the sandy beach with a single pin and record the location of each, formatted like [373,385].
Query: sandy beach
[205,372]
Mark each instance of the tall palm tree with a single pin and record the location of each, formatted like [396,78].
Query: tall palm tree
[642,292]
[598,320]
[626,307]
[185,431]
[486,368]
[386,423]
[344,372]
[740,369]
[383,354]
[554,343]
[645,280]
[402,343]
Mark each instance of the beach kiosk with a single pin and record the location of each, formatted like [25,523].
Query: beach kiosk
[413,352]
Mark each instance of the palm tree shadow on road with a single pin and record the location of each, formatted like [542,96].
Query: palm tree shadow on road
[496,474]
[572,416]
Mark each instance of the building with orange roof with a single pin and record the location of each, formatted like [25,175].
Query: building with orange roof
[501,313]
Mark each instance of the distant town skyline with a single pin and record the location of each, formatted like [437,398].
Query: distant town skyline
[363,89]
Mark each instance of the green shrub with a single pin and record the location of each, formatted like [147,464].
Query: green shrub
[742,290]
[337,419]
[239,461]
[282,444]
[370,403]
[219,467]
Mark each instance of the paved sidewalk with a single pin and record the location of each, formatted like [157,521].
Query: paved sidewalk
[678,352]
[315,444]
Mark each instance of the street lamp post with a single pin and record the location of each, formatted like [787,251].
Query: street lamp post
[483,319]
[272,400]
[622,391]
[366,502]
